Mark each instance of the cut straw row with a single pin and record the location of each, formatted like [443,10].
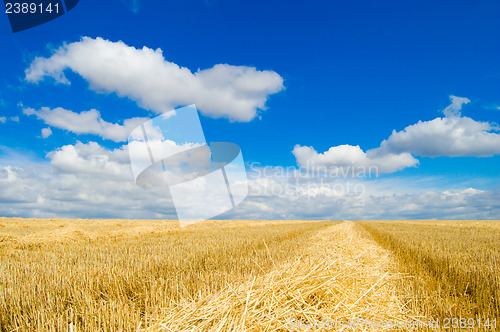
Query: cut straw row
[342,282]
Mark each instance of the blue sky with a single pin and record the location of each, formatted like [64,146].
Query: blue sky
[331,74]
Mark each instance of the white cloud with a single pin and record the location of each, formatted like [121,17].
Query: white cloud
[79,185]
[453,135]
[332,202]
[46,132]
[285,197]
[353,156]
[80,180]
[4,119]
[454,109]
[90,181]
[92,159]
[87,122]
[143,75]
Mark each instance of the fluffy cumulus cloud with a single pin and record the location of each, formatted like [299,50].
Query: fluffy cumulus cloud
[91,159]
[468,203]
[86,122]
[277,193]
[81,180]
[143,75]
[453,135]
[91,181]
[3,119]
[348,156]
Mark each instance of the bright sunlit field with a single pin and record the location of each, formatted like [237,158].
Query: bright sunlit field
[455,265]
[136,275]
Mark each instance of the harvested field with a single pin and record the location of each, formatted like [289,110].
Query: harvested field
[454,267]
[341,278]
[143,275]
[121,274]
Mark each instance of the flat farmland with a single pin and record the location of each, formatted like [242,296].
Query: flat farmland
[151,275]
[454,265]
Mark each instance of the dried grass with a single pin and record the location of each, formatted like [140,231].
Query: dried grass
[455,265]
[343,276]
[116,275]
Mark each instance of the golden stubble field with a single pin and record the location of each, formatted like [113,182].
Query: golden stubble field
[150,275]
[455,265]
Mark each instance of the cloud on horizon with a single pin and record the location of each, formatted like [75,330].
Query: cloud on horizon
[88,180]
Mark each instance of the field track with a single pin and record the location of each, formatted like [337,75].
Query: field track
[341,278]
[247,275]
